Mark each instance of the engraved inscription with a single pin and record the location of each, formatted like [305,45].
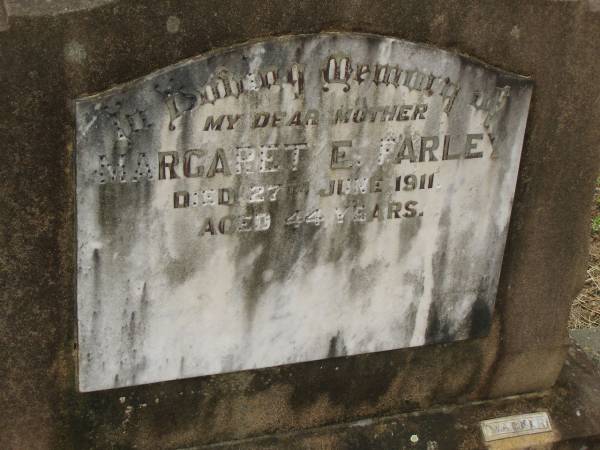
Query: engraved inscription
[245,208]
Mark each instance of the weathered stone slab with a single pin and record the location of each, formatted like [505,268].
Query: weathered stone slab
[291,200]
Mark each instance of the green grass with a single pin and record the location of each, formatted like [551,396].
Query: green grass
[596,224]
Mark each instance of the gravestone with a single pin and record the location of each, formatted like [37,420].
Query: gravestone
[291,200]
[295,226]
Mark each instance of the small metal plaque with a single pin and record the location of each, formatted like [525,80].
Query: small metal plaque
[514,426]
[290,200]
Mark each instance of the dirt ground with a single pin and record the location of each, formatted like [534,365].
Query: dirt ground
[585,311]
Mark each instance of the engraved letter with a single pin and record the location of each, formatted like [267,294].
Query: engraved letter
[187,164]
[409,206]
[406,151]
[262,221]
[337,155]
[386,74]
[277,118]
[449,93]
[446,152]
[219,164]
[403,114]
[340,214]
[226,225]
[181,199]
[143,169]
[208,227]
[428,144]
[343,115]
[328,192]
[394,209]
[178,102]
[261,120]
[472,146]
[312,117]
[337,72]
[212,124]
[296,79]
[296,119]
[244,156]
[226,196]
[163,165]
[114,174]
[361,72]
[232,119]
[295,155]
[267,159]
[420,111]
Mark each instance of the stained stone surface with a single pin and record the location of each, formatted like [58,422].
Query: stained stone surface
[291,200]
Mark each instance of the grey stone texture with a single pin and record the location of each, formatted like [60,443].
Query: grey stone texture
[48,61]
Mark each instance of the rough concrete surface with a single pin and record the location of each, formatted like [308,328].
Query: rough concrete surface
[3,17]
[48,61]
[571,404]
[589,340]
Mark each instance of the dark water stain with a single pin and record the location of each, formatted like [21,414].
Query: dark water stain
[330,378]
[348,240]
[283,249]
[361,279]
[121,208]
[280,253]
[479,320]
[437,326]
[97,287]
[181,269]
[502,130]
[447,276]
[406,327]
[132,339]
[480,317]
[415,281]
[408,229]
[337,346]
[131,330]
